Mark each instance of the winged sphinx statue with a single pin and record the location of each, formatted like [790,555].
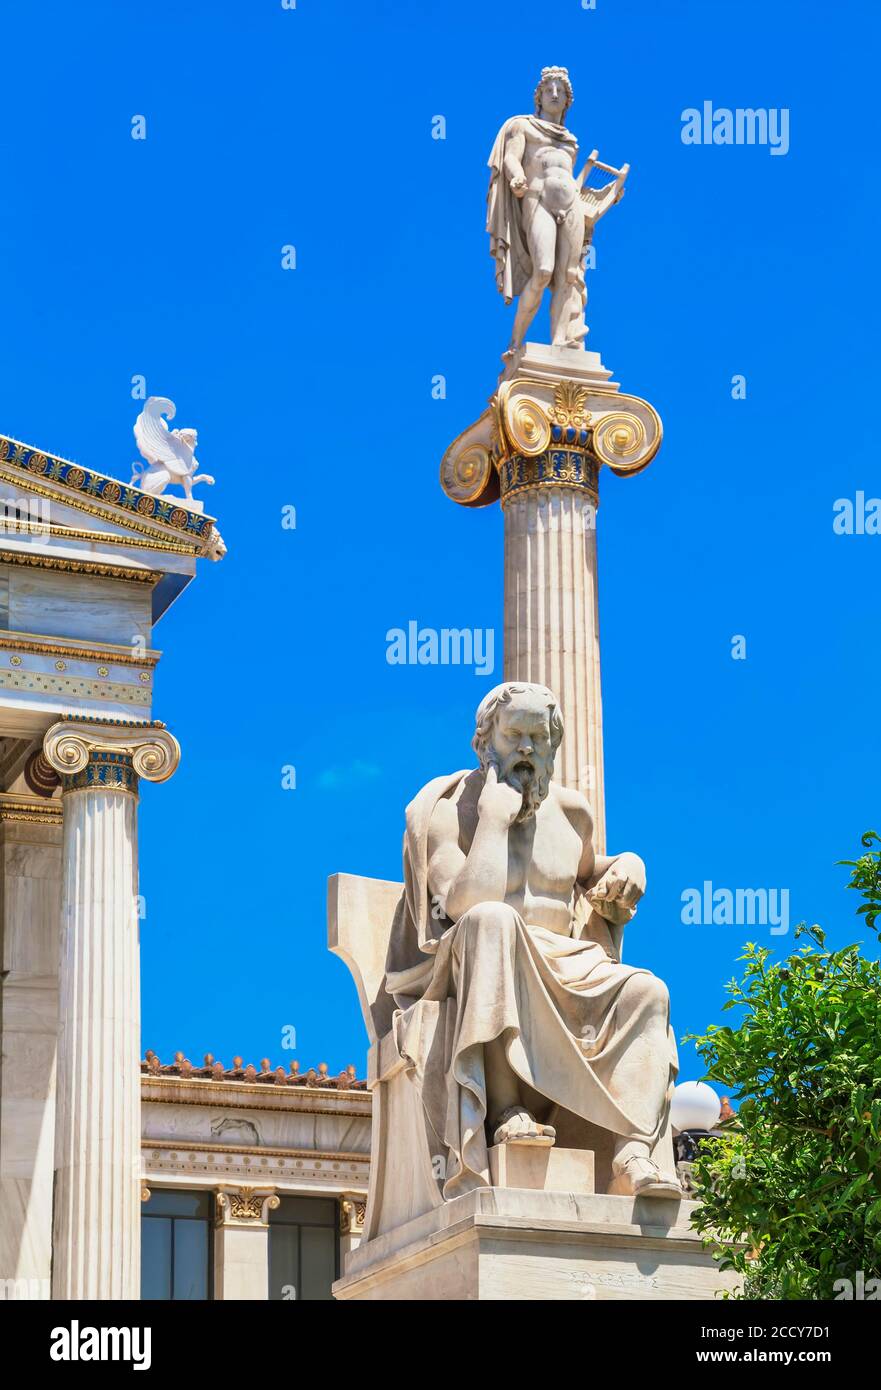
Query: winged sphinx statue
[170,455]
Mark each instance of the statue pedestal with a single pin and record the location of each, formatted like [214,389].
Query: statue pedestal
[543,362]
[505,1243]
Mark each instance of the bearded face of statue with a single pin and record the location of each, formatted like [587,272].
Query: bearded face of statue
[520,749]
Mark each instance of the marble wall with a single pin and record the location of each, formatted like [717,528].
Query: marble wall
[30,898]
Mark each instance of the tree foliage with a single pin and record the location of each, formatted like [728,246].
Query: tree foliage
[790,1197]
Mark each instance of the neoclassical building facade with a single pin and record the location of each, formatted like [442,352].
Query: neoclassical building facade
[255,1181]
[223,1183]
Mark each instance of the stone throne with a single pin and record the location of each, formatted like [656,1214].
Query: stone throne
[403,1185]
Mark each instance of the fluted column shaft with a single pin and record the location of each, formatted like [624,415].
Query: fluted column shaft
[96,1247]
[96,1225]
[552,624]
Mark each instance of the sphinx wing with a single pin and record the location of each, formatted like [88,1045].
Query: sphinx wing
[156,443]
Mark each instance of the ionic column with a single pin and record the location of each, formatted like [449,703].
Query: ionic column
[96,1226]
[555,420]
[552,621]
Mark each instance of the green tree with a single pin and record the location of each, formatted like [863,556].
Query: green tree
[790,1196]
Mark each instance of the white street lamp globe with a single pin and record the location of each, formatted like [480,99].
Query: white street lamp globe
[695,1105]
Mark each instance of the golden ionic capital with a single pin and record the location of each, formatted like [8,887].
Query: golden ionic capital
[110,755]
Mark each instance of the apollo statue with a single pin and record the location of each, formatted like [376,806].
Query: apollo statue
[540,217]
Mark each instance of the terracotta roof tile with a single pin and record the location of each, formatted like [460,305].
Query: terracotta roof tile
[212,1070]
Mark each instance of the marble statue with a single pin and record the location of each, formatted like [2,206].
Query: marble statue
[540,217]
[505,962]
[170,455]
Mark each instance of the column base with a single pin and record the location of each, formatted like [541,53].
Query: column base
[503,1243]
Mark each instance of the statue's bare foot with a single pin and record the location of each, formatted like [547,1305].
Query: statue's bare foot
[516,1123]
[645,1178]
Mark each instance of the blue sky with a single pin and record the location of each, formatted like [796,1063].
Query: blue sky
[312,388]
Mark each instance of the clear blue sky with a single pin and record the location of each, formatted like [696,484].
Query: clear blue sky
[312,388]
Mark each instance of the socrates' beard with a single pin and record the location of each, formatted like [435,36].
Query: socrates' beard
[531,776]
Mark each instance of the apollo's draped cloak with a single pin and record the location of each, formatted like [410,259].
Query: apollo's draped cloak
[507,244]
[553,999]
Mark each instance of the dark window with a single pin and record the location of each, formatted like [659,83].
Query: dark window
[303,1248]
[176,1230]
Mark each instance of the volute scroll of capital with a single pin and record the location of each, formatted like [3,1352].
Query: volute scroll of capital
[69,747]
[525,422]
[467,474]
[627,436]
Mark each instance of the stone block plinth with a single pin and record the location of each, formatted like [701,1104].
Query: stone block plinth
[542,1167]
[505,1243]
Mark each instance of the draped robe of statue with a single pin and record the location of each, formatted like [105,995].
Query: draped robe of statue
[504,211]
[554,999]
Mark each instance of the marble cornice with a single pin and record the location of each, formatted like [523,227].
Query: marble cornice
[45,645]
[68,565]
[76,533]
[304,1100]
[252,1150]
[38,810]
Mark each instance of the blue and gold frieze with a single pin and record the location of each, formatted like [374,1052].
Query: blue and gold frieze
[105,771]
[95,487]
[553,468]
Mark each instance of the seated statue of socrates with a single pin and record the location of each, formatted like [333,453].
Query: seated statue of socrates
[504,962]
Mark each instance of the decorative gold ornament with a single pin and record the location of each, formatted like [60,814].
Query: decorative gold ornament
[465,475]
[35,810]
[86,503]
[569,405]
[353,1211]
[246,1203]
[621,440]
[70,647]
[528,426]
[54,562]
[556,468]
[114,753]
